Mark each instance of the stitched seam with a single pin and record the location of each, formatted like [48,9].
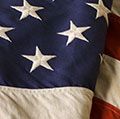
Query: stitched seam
[39,91]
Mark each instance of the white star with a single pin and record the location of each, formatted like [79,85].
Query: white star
[39,60]
[27,10]
[3,31]
[74,32]
[101,58]
[102,10]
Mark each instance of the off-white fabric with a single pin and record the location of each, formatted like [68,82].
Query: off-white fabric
[59,103]
[108,84]
[116,7]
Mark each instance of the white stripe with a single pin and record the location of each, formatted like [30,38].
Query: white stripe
[58,103]
[108,84]
[116,7]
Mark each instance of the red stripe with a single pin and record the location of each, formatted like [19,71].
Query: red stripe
[112,47]
[104,110]
[101,109]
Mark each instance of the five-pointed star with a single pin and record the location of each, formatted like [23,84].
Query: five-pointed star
[39,60]
[3,31]
[74,32]
[102,10]
[27,10]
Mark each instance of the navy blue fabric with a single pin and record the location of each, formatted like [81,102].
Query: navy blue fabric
[75,65]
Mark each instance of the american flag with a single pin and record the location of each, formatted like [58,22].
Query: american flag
[51,56]
[106,103]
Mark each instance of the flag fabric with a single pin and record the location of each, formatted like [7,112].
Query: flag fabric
[106,103]
[50,55]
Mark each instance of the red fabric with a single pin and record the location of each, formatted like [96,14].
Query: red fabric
[103,110]
[112,47]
